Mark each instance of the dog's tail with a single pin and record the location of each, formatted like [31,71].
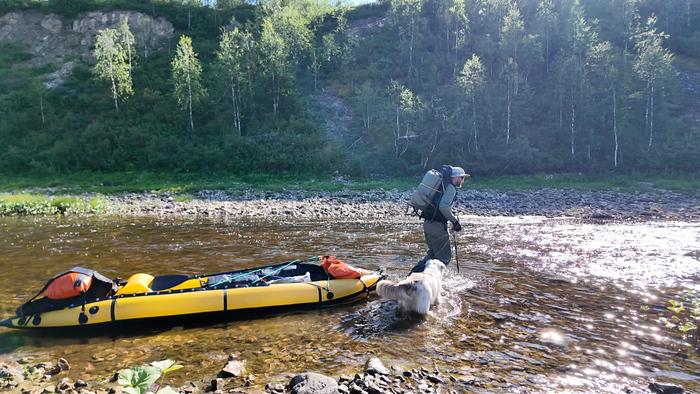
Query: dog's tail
[394,291]
[386,289]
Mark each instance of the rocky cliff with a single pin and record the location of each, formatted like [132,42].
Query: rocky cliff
[56,40]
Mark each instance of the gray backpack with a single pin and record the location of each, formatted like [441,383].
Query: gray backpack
[426,197]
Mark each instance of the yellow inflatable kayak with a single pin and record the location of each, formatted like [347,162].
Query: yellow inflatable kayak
[84,298]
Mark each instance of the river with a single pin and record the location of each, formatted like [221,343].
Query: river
[537,304]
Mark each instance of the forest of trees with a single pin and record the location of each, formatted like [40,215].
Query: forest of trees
[497,86]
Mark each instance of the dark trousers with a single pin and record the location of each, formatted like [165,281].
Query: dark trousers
[438,240]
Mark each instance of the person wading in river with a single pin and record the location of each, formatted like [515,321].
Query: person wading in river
[435,224]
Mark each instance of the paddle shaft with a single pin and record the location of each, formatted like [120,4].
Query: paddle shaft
[454,240]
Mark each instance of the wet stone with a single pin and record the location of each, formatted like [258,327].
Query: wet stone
[61,366]
[64,385]
[217,384]
[274,388]
[233,368]
[376,367]
[312,383]
[435,379]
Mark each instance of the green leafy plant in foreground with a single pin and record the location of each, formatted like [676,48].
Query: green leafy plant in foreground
[137,380]
[685,314]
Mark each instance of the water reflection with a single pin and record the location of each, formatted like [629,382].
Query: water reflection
[537,304]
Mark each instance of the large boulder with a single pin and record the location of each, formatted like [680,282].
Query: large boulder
[312,383]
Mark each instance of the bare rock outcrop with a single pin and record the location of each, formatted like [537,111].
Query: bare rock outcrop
[53,39]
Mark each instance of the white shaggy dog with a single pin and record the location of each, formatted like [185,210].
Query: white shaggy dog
[417,292]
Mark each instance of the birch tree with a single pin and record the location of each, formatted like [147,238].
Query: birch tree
[147,36]
[547,18]
[512,79]
[471,79]
[653,64]
[456,25]
[127,40]
[602,63]
[366,100]
[234,46]
[513,30]
[187,77]
[274,53]
[406,13]
[40,89]
[571,66]
[111,64]
[405,104]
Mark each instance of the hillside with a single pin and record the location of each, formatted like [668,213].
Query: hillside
[389,88]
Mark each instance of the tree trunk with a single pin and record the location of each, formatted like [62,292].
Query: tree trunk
[476,139]
[651,115]
[398,133]
[129,49]
[617,145]
[561,110]
[41,106]
[509,111]
[573,122]
[114,94]
[272,81]
[114,86]
[425,161]
[189,94]
[546,52]
[646,112]
[410,52]
[367,119]
[234,107]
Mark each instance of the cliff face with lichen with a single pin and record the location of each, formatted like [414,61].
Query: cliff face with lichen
[52,39]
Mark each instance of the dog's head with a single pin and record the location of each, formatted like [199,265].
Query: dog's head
[436,266]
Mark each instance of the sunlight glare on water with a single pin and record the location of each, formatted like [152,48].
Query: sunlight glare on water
[538,305]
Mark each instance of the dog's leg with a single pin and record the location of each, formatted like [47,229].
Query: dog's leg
[422,302]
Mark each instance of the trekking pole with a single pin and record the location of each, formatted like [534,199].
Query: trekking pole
[454,240]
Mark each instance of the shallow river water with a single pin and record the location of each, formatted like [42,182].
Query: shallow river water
[538,305]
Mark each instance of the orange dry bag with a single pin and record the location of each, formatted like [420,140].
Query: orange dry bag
[339,270]
[68,285]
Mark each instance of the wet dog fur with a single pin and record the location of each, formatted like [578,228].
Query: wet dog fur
[417,292]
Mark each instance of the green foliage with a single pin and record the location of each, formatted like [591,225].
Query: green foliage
[501,88]
[29,204]
[139,379]
[113,61]
[187,73]
[684,316]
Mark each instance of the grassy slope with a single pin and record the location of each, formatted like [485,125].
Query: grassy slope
[184,183]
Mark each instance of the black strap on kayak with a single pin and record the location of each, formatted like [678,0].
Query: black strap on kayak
[82,318]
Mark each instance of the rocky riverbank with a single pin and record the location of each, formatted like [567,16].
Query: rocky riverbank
[44,377]
[27,378]
[651,205]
